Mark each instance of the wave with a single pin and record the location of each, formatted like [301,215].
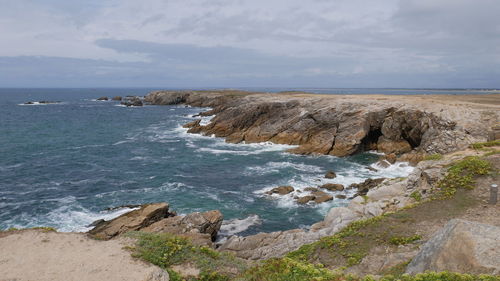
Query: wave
[234,226]
[276,167]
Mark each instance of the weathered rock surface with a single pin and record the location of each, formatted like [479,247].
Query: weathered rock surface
[117,98]
[132,101]
[460,246]
[333,186]
[281,190]
[131,221]
[202,228]
[337,126]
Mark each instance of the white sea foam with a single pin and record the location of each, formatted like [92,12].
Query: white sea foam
[234,226]
[276,167]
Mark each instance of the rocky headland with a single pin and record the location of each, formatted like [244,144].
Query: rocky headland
[438,218]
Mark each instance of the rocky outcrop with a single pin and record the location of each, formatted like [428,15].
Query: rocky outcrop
[134,220]
[321,125]
[202,228]
[132,101]
[102,99]
[117,98]
[460,246]
[381,196]
[330,175]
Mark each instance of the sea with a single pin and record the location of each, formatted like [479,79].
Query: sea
[68,164]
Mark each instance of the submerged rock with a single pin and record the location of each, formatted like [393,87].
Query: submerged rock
[460,246]
[102,99]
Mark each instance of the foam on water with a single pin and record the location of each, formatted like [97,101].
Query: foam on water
[234,226]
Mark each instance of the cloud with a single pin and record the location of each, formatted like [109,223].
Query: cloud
[353,43]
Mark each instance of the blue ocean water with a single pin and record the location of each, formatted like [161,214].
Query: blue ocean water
[62,165]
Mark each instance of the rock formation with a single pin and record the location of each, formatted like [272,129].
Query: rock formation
[326,125]
[202,228]
[460,246]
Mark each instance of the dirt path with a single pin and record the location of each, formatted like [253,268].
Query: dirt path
[30,255]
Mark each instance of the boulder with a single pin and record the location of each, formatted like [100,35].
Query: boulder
[207,224]
[321,197]
[391,158]
[460,246]
[305,199]
[340,196]
[103,99]
[281,190]
[117,98]
[330,175]
[333,186]
[131,221]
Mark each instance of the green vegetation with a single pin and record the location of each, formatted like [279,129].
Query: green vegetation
[416,195]
[435,156]
[396,240]
[165,250]
[461,175]
[42,228]
[481,145]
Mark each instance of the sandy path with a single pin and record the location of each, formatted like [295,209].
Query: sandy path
[38,255]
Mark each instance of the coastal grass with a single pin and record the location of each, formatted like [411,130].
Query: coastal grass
[166,250]
[435,156]
[481,145]
[461,175]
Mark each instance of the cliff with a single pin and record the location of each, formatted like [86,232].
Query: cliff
[342,125]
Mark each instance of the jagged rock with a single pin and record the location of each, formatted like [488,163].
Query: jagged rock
[365,186]
[311,189]
[327,126]
[192,124]
[460,246]
[133,220]
[281,190]
[117,98]
[132,101]
[103,99]
[330,175]
[333,186]
[305,199]
[207,223]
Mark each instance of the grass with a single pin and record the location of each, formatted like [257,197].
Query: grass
[461,175]
[481,145]
[165,250]
[42,228]
[435,156]
[397,240]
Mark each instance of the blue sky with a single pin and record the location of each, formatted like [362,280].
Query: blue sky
[250,43]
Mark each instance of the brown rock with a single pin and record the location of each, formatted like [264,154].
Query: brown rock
[103,99]
[321,197]
[305,199]
[333,186]
[330,175]
[192,124]
[391,158]
[340,196]
[389,146]
[281,190]
[365,186]
[131,221]
[311,189]
[117,98]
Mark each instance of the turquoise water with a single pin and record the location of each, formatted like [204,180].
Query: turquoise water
[62,165]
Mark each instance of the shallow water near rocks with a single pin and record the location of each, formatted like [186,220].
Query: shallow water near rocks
[62,165]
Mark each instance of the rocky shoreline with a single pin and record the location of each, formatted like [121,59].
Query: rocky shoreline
[402,128]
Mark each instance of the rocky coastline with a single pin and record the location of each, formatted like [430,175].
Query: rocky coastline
[402,128]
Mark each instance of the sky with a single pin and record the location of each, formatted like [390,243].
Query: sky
[250,43]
